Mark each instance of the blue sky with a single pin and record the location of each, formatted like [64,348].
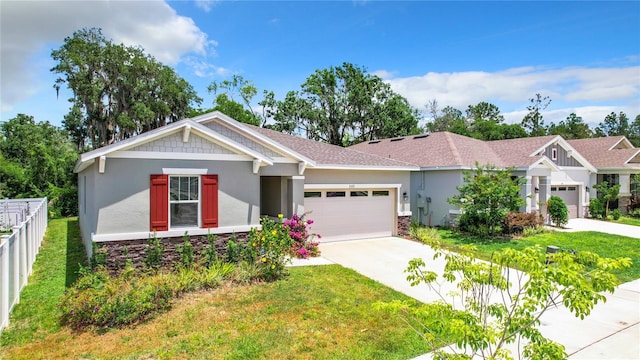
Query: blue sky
[584,55]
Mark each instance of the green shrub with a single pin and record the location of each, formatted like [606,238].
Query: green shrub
[616,214]
[635,213]
[271,246]
[210,252]
[531,231]
[155,249]
[99,256]
[186,251]
[233,250]
[103,301]
[557,210]
[426,235]
[596,208]
[517,222]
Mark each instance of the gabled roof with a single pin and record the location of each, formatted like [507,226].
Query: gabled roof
[308,153]
[614,152]
[88,158]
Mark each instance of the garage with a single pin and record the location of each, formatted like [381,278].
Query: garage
[570,195]
[346,214]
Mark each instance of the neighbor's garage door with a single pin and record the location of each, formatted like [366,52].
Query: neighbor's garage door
[569,194]
[351,214]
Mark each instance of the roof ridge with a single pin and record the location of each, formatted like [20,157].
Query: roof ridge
[452,146]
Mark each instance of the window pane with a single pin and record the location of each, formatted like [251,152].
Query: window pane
[174,187]
[571,188]
[184,214]
[193,188]
[184,188]
[562,188]
[380,193]
[336,194]
[359,193]
[312,194]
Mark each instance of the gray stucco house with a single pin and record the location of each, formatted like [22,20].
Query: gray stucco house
[549,164]
[212,174]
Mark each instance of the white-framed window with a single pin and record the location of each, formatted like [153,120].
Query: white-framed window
[554,153]
[184,201]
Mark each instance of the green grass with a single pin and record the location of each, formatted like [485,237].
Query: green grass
[627,220]
[605,245]
[55,269]
[322,312]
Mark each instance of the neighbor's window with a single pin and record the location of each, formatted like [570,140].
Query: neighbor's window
[380,193]
[184,195]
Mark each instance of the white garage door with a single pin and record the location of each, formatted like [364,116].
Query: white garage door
[569,194]
[351,214]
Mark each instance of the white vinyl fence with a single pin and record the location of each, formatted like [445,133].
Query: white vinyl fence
[26,219]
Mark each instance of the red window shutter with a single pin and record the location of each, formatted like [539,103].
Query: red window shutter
[159,202]
[209,201]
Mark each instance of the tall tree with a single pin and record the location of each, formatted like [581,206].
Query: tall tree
[118,91]
[229,93]
[448,119]
[344,105]
[533,122]
[571,128]
[487,123]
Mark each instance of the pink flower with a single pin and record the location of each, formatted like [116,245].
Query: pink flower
[309,221]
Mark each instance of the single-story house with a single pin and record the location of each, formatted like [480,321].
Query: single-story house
[616,160]
[549,164]
[212,174]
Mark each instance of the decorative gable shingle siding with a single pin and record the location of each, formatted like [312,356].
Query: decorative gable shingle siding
[562,158]
[241,139]
[174,143]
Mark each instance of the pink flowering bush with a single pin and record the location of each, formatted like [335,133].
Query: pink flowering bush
[299,230]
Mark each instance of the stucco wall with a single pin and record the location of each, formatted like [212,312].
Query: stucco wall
[121,194]
[439,185]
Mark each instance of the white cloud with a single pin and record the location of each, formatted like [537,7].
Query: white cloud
[205,5]
[590,92]
[30,28]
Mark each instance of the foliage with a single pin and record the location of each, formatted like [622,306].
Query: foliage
[209,251]
[155,249]
[518,222]
[486,197]
[533,122]
[319,312]
[186,251]
[596,209]
[234,250]
[616,214]
[118,91]
[482,121]
[226,92]
[271,246]
[37,160]
[426,235]
[344,105]
[496,306]
[607,193]
[558,211]
[635,213]
[298,229]
[573,128]
[605,245]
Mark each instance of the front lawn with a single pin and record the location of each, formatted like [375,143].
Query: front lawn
[627,220]
[322,312]
[605,245]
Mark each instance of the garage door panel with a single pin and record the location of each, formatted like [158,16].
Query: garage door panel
[568,194]
[342,218]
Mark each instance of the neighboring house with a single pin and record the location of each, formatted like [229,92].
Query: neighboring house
[212,174]
[549,165]
[616,160]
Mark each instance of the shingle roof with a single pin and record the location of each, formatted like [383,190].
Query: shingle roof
[325,154]
[445,149]
[597,152]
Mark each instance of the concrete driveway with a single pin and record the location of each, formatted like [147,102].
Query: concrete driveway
[602,226]
[610,332]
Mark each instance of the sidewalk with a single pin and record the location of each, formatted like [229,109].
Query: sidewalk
[601,226]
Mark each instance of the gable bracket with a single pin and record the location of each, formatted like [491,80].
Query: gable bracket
[185,133]
[256,165]
[301,167]
[101,163]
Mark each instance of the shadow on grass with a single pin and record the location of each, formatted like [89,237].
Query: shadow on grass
[76,255]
